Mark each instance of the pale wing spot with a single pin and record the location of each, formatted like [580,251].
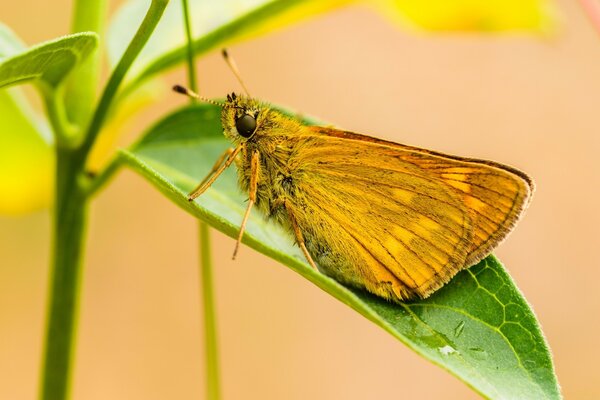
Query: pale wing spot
[403,235]
[462,186]
[409,269]
[420,233]
[408,255]
[429,224]
[432,250]
[386,267]
[475,204]
[393,245]
[431,230]
[379,271]
[454,176]
[456,216]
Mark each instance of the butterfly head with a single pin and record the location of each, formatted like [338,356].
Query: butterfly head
[241,117]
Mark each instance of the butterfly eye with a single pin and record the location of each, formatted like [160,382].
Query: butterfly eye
[245,125]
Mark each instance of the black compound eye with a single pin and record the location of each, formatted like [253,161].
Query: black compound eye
[245,125]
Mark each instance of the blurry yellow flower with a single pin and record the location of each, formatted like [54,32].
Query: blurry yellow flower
[471,15]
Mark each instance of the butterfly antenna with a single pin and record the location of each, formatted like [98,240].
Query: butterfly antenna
[190,93]
[234,69]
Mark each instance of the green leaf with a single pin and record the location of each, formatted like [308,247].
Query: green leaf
[48,62]
[479,327]
[26,156]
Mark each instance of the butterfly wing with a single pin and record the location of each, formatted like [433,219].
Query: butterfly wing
[397,220]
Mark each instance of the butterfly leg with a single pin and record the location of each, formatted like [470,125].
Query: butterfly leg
[299,237]
[254,171]
[222,163]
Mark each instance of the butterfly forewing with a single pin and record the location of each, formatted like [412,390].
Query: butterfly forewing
[395,220]
[494,195]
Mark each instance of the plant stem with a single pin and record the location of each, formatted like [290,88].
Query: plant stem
[64,132]
[192,81]
[70,210]
[213,391]
[155,11]
[93,185]
[88,15]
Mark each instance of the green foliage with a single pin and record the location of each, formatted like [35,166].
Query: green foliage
[47,65]
[479,326]
[49,62]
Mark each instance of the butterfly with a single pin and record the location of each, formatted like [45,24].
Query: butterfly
[395,220]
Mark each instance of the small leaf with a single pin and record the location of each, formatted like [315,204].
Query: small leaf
[479,327]
[48,62]
[26,156]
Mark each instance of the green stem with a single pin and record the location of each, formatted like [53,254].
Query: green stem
[157,7]
[97,182]
[213,391]
[88,15]
[70,210]
[64,131]
[190,50]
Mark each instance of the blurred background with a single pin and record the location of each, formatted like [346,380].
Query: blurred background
[525,100]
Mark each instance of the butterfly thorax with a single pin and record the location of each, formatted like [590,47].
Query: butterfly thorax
[273,139]
[279,175]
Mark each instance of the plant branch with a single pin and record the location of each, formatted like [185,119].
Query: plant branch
[213,391]
[98,181]
[88,15]
[157,7]
[72,195]
[69,231]
[64,131]
[192,81]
